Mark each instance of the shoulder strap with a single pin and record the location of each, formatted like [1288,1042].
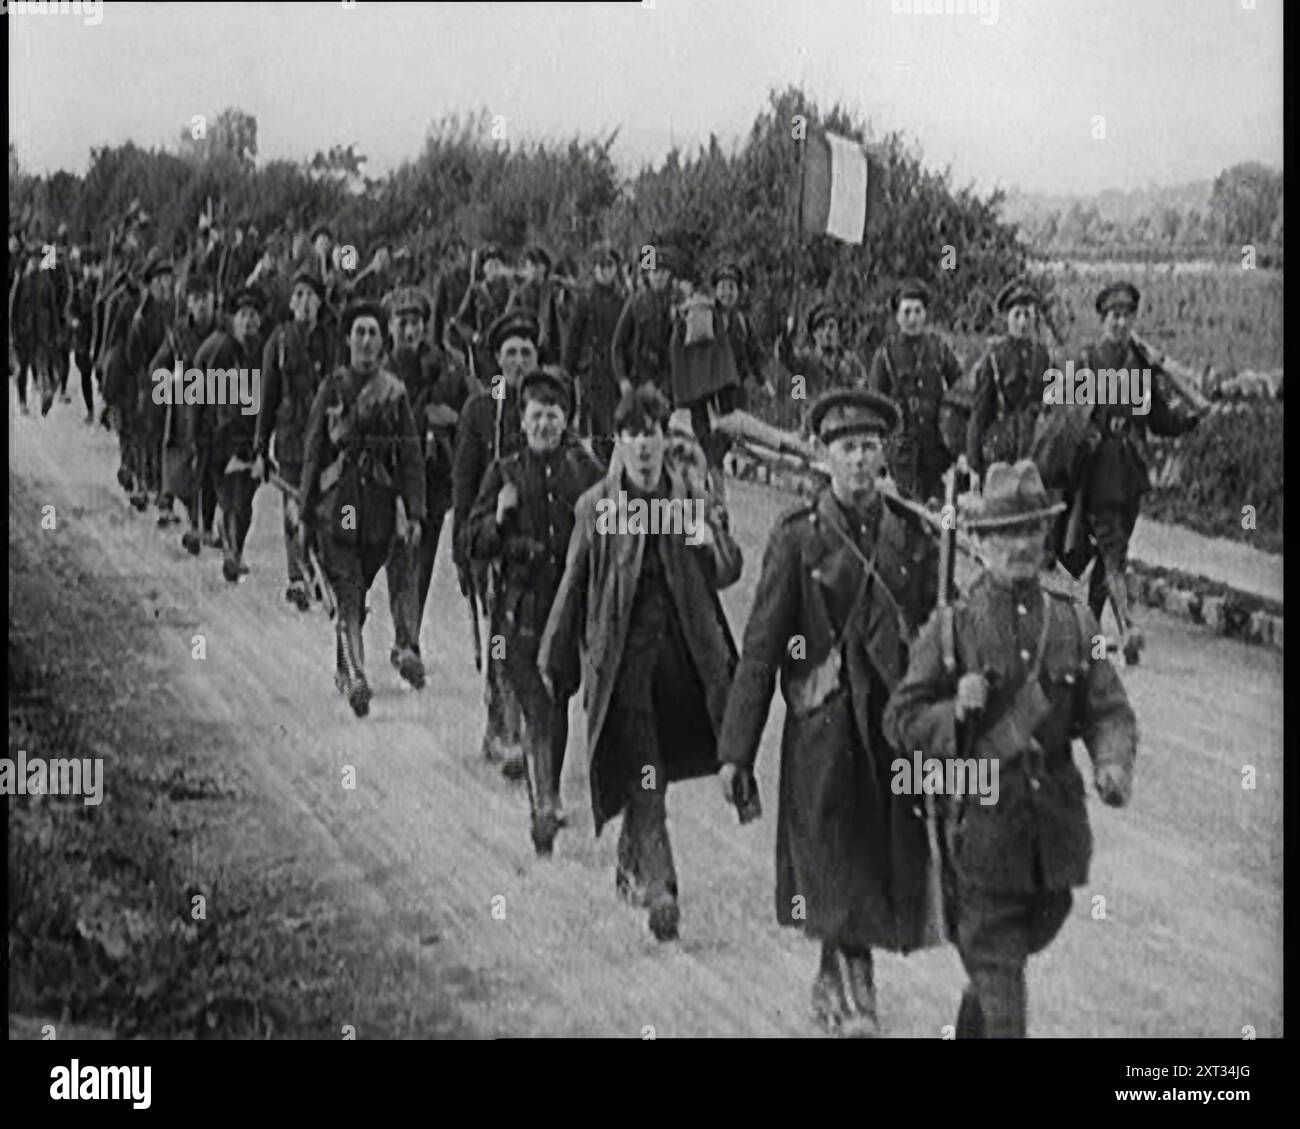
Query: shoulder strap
[997,380]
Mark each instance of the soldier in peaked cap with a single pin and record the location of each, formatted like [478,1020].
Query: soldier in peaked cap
[1112,471]
[1008,383]
[827,365]
[361,455]
[916,368]
[645,327]
[847,581]
[485,299]
[225,432]
[540,296]
[587,352]
[435,384]
[1013,678]
[295,360]
[489,429]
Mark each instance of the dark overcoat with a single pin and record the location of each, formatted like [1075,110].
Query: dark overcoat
[1035,836]
[850,855]
[1008,396]
[588,625]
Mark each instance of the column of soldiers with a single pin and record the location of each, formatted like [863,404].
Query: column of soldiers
[373,447]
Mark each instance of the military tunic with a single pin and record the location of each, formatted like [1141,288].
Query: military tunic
[916,371]
[1008,397]
[850,855]
[640,350]
[588,357]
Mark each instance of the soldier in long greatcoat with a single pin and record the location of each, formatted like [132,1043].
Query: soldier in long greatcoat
[1017,681]
[637,614]
[148,331]
[847,580]
[588,356]
[642,336]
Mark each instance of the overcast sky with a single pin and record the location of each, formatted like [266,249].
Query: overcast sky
[1187,87]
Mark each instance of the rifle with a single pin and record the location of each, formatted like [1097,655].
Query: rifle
[313,561]
[1184,378]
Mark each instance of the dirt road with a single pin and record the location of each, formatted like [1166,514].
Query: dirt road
[433,844]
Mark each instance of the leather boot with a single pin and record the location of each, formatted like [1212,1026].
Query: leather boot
[830,1004]
[860,994]
[970,1018]
[1001,995]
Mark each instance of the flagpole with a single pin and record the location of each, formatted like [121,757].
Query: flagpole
[798,236]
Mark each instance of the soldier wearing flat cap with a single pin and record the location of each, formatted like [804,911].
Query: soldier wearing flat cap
[519,529]
[295,360]
[916,367]
[827,365]
[362,472]
[587,352]
[847,581]
[180,472]
[484,301]
[224,431]
[539,295]
[1008,383]
[148,331]
[437,389]
[642,337]
[728,281]
[489,429]
[1112,470]
[1013,678]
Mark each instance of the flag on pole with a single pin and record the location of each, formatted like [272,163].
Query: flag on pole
[834,187]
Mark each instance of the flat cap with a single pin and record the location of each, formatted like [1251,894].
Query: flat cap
[361,309]
[409,300]
[537,255]
[249,296]
[852,411]
[605,252]
[823,311]
[910,288]
[1121,295]
[321,229]
[516,323]
[726,270]
[307,275]
[198,283]
[158,264]
[491,251]
[552,377]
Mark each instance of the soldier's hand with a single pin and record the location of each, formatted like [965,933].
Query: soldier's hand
[259,468]
[972,695]
[727,782]
[624,387]
[507,500]
[413,531]
[1114,785]
[292,515]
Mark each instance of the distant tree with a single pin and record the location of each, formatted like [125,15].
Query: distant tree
[1245,202]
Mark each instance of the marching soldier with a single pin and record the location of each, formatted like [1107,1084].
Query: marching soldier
[36,317]
[362,456]
[641,604]
[1115,474]
[640,350]
[587,352]
[81,314]
[484,302]
[181,472]
[827,365]
[539,295]
[1015,682]
[489,430]
[436,389]
[916,369]
[520,525]
[227,432]
[294,362]
[727,281]
[847,580]
[119,390]
[148,331]
[1008,385]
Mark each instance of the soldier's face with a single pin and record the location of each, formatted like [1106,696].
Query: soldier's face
[659,278]
[160,286]
[200,307]
[1116,323]
[643,454]
[364,342]
[323,246]
[1020,321]
[605,273]
[304,303]
[1015,553]
[493,268]
[827,335]
[728,292]
[407,331]
[517,358]
[246,322]
[855,462]
[911,315]
[543,425]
